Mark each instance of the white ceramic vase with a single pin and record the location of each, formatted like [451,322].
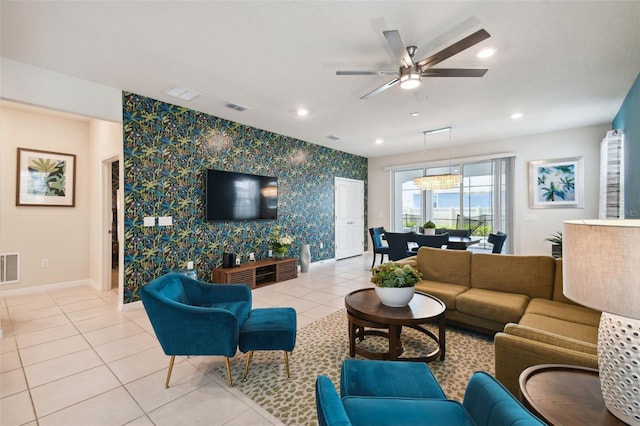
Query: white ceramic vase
[394,296]
[305,258]
[429,231]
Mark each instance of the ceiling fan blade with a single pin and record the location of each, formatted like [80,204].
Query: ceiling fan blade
[382,88]
[455,48]
[395,72]
[454,72]
[398,48]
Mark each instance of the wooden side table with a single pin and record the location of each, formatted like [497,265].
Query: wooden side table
[565,395]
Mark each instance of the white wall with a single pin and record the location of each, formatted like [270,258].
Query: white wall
[106,143]
[59,234]
[36,86]
[29,85]
[532,226]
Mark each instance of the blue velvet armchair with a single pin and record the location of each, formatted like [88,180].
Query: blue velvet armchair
[190,317]
[486,403]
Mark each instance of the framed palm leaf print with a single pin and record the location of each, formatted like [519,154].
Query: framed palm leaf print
[45,178]
[556,183]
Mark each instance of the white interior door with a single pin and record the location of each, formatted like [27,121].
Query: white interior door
[349,209]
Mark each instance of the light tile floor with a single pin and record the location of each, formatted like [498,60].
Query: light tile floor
[70,357]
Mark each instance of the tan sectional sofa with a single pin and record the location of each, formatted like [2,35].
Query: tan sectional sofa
[518,297]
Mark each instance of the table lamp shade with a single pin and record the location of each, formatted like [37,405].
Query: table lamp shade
[601,270]
[601,265]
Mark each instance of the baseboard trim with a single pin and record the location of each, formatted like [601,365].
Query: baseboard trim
[131,306]
[45,287]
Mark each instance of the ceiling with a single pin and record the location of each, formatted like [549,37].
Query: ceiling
[561,64]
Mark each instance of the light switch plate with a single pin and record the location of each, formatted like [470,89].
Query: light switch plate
[149,221]
[165,221]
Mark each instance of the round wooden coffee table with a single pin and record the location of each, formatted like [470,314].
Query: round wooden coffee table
[368,317]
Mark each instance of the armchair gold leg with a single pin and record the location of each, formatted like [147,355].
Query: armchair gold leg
[166,383]
[286,363]
[246,366]
[229,378]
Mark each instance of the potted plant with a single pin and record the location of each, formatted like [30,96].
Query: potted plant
[429,228]
[556,244]
[395,284]
[279,242]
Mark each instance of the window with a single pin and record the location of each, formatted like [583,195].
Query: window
[483,203]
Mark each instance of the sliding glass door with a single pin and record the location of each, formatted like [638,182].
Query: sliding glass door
[482,203]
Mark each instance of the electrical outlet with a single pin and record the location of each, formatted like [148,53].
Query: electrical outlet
[165,221]
[45,263]
[321,245]
[252,256]
[190,264]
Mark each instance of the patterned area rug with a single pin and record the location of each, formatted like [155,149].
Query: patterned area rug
[323,345]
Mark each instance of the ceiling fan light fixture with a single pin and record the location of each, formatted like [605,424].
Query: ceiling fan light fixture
[410,80]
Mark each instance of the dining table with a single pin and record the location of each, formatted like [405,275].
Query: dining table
[455,243]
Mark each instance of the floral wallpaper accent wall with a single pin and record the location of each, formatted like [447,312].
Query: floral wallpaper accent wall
[167,148]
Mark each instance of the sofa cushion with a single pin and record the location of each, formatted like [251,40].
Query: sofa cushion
[528,275]
[447,266]
[493,305]
[586,333]
[443,291]
[564,311]
[551,338]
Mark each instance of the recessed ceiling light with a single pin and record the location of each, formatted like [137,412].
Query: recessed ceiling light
[517,115]
[485,53]
[303,112]
[181,93]
[379,141]
[415,114]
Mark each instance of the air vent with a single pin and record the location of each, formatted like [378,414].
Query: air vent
[235,106]
[9,268]
[334,137]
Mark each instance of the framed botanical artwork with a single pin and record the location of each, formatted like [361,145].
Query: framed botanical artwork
[556,183]
[45,178]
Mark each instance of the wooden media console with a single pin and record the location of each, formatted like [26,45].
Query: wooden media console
[257,273]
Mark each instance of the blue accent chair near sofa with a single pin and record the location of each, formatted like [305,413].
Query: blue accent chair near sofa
[380,393]
[190,317]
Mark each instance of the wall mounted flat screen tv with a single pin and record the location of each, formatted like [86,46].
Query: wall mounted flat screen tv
[240,196]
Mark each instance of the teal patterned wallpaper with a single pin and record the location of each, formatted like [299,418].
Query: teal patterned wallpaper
[166,150]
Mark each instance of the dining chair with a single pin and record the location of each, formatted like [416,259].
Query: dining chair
[497,240]
[378,247]
[398,244]
[435,241]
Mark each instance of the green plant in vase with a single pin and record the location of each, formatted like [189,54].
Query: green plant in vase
[429,228]
[279,242]
[393,275]
[395,284]
[556,244]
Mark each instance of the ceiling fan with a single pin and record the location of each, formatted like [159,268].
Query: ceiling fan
[410,73]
